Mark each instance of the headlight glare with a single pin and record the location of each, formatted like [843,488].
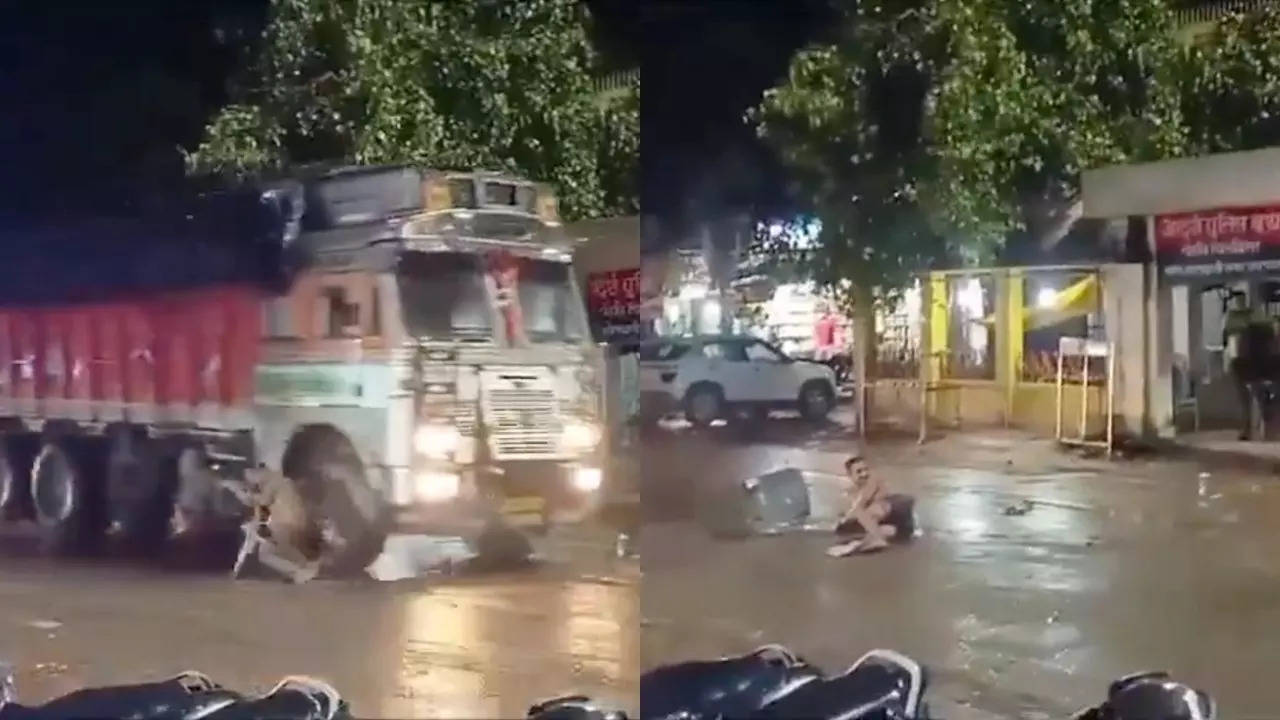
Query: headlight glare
[438,486]
[580,435]
[437,441]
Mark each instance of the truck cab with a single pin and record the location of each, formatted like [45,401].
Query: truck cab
[450,346]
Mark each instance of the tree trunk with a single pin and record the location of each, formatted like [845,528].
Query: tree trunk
[863,349]
[1058,224]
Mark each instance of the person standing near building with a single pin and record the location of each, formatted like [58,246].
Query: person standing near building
[1237,356]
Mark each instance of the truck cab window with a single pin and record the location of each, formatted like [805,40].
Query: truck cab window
[343,315]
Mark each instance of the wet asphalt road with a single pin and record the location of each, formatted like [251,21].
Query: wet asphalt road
[440,647]
[1115,568]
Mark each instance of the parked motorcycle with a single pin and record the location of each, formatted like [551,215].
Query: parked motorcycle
[773,683]
[1152,696]
[187,696]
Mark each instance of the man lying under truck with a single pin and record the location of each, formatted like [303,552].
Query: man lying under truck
[869,508]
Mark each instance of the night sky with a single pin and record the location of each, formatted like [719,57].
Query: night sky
[703,65]
[99,95]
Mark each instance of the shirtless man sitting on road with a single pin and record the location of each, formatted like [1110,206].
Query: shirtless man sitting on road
[870,506]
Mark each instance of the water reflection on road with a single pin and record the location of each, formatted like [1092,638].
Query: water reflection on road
[478,647]
[1036,580]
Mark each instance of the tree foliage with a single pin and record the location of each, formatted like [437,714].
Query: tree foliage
[493,85]
[929,130]
[1230,83]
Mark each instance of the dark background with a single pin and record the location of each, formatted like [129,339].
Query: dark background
[703,65]
[99,95]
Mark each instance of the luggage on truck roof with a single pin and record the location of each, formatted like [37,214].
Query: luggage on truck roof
[263,232]
[235,236]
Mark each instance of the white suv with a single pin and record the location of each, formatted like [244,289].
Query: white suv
[710,377]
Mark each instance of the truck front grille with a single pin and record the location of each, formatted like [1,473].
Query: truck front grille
[523,422]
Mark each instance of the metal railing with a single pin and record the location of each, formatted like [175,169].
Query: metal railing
[1216,11]
[615,84]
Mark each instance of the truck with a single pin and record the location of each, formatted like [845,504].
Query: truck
[422,364]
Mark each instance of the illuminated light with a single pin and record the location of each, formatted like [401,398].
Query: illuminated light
[1047,297]
[580,435]
[693,292]
[970,298]
[588,479]
[711,314]
[438,486]
[437,441]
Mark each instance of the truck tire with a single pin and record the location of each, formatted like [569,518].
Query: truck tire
[65,496]
[330,477]
[140,490]
[15,478]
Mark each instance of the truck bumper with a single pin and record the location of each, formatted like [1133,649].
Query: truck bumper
[532,495]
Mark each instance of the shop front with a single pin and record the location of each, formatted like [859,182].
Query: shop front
[1213,227]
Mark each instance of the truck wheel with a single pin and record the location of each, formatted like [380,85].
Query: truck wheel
[139,493]
[351,514]
[816,400]
[704,404]
[15,479]
[65,499]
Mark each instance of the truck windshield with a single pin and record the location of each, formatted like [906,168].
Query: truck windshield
[442,295]
[552,310]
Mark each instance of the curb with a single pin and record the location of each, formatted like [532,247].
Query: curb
[1233,459]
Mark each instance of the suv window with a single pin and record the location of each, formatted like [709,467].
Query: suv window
[725,350]
[759,352]
[663,352]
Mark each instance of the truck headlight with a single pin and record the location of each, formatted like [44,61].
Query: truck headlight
[588,479]
[580,435]
[437,441]
[438,486]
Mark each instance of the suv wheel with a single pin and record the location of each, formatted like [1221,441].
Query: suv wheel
[704,404]
[816,400]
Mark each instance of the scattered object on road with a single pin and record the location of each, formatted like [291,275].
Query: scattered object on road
[765,504]
[409,556]
[281,535]
[1020,508]
[854,547]
[44,624]
[502,547]
[787,500]
[189,695]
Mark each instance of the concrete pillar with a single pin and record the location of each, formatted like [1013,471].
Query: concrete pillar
[1197,355]
[1003,339]
[1159,352]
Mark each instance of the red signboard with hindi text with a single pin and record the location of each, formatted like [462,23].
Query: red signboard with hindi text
[1232,241]
[613,303]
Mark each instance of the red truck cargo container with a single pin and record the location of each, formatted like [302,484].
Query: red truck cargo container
[183,358]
